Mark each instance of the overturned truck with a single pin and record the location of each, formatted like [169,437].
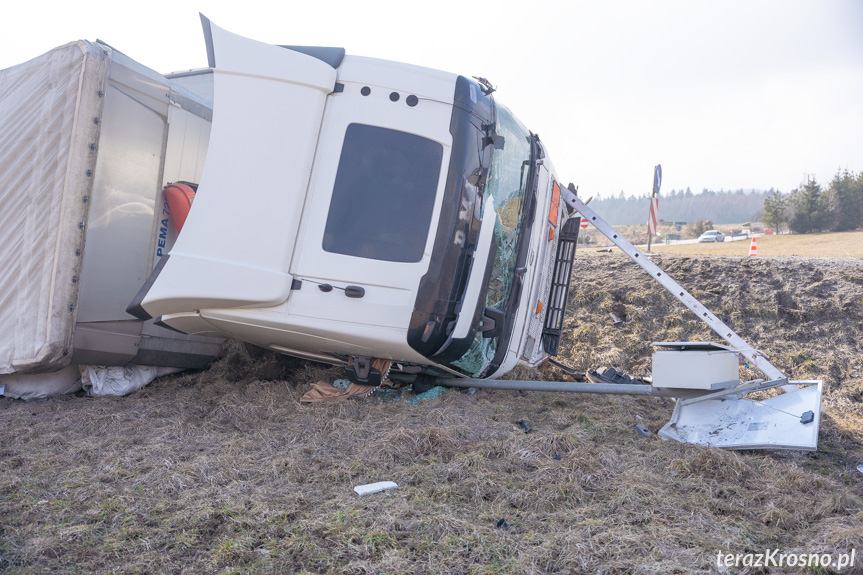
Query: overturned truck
[346,210]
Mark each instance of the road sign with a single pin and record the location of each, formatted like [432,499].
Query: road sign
[651,218]
[657,178]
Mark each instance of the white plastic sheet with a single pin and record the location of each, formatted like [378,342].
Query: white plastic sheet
[113,380]
[40,385]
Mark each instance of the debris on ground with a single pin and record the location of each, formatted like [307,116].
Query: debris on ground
[563,367]
[430,394]
[322,391]
[611,375]
[370,488]
[241,464]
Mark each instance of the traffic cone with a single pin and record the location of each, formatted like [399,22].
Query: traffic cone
[753,248]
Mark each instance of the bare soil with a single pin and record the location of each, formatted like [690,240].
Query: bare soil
[224,471]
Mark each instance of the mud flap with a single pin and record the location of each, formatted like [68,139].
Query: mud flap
[786,421]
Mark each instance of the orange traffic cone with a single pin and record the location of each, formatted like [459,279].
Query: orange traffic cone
[753,248]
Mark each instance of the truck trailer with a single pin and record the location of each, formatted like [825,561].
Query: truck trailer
[88,137]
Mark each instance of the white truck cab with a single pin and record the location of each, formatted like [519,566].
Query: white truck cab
[353,208]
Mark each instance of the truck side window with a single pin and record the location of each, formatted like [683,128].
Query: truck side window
[384,194]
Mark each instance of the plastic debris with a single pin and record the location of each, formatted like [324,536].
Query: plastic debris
[342,383]
[374,487]
[39,385]
[502,524]
[642,430]
[118,381]
[610,375]
[562,366]
[523,424]
[860,468]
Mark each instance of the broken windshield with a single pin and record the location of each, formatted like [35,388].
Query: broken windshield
[508,186]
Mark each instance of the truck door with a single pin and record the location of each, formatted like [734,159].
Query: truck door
[374,199]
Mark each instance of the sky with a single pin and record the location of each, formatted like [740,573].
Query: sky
[724,94]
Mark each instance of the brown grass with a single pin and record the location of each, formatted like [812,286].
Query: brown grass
[224,471]
[843,244]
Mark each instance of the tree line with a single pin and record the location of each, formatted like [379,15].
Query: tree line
[685,207]
[810,208]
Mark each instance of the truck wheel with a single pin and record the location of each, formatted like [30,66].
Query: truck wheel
[424,382]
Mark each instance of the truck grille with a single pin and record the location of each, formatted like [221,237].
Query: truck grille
[559,292]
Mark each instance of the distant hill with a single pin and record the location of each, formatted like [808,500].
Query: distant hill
[722,207]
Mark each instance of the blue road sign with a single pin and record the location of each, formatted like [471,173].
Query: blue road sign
[657,178]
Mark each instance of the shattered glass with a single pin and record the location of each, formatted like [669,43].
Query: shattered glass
[507,185]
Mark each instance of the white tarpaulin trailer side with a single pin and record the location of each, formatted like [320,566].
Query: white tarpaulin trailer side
[88,139]
[44,153]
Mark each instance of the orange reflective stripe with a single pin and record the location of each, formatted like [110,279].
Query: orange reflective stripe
[555,204]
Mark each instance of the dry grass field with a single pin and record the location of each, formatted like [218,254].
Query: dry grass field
[842,244]
[224,471]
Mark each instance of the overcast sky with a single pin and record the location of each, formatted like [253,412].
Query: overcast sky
[724,94]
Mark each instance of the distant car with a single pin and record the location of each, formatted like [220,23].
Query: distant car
[712,236]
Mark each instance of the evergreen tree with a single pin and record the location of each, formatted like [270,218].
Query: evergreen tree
[777,211]
[845,202]
[809,207]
